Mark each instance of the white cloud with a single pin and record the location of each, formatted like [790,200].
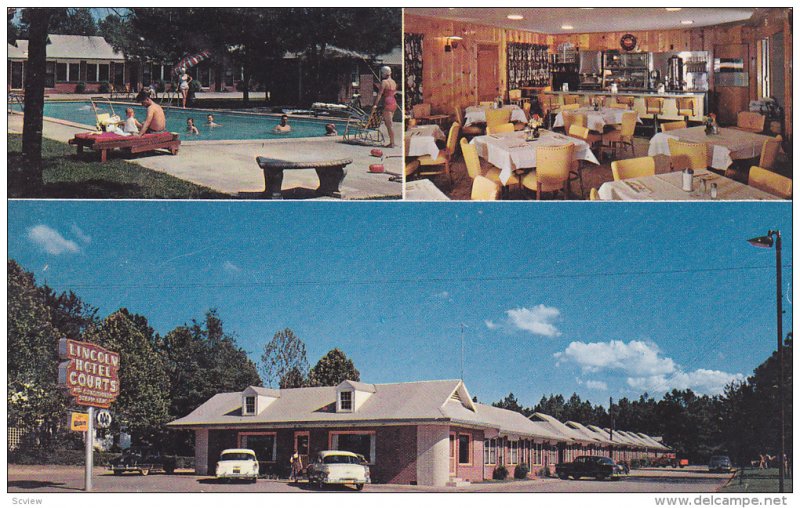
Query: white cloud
[537,320]
[83,237]
[711,382]
[491,325]
[634,358]
[443,295]
[596,385]
[51,241]
[230,267]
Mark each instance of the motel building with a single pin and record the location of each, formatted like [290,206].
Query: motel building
[422,433]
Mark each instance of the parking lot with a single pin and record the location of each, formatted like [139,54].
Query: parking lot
[36,479]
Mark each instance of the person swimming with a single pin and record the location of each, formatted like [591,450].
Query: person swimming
[388,89]
[283,127]
[211,123]
[330,130]
[191,128]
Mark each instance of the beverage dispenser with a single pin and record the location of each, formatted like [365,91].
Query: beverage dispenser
[675,74]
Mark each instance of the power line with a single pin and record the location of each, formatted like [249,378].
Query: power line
[411,281]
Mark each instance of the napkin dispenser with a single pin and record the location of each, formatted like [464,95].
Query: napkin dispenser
[688,180]
[614,88]
[565,87]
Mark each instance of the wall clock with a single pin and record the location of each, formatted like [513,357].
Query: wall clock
[628,42]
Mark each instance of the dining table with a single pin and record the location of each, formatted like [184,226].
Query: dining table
[423,190]
[669,187]
[513,151]
[596,120]
[421,140]
[477,114]
[727,145]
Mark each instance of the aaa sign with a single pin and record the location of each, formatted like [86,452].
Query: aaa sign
[90,372]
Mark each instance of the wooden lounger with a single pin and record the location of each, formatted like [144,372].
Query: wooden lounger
[331,174]
[103,142]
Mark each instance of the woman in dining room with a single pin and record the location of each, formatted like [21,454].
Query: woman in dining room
[387,91]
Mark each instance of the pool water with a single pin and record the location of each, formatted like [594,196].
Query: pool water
[232,125]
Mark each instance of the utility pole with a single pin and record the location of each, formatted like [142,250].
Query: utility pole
[462,350]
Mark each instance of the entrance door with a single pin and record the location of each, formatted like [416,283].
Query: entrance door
[301,440]
[488,72]
[453,454]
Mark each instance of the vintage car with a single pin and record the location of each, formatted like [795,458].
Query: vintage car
[142,460]
[601,468]
[237,464]
[334,467]
[719,464]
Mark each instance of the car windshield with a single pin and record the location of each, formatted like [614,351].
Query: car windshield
[604,460]
[339,459]
[236,456]
[720,459]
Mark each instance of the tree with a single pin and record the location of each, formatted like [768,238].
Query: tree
[552,405]
[510,402]
[293,379]
[38,22]
[73,21]
[283,353]
[332,369]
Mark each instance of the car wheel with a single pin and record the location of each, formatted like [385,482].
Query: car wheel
[563,476]
[169,470]
[359,486]
[117,472]
[600,477]
[144,472]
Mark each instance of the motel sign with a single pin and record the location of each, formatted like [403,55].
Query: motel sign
[90,373]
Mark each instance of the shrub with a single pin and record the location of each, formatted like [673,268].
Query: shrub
[500,473]
[636,464]
[521,471]
[104,87]
[80,87]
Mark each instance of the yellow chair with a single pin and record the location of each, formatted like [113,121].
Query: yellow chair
[750,121]
[671,126]
[623,134]
[684,155]
[582,133]
[627,100]
[552,170]
[593,195]
[411,168]
[568,107]
[633,168]
[515,96]
[572,99]
[571,118]
[484,189]
[497,117]
[769,152]
[526,108]
[768,181]
[654,106]
[468,130]
[500,128]
[444,157]
[685,107]
[619,106]
[474,165]
[487,104]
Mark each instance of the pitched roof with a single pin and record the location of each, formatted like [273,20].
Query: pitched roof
[559,428]
[588,433]
[70,47]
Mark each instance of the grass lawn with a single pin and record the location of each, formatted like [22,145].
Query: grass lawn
[757,480]
[67,176]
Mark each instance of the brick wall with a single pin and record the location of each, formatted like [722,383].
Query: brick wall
[473,472]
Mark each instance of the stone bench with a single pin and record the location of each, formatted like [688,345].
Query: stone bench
[331,173]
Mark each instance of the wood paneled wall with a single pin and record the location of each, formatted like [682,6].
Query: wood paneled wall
[451,78]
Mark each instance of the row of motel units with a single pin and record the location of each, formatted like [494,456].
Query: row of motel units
[424,433]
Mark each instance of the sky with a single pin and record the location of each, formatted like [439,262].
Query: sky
[605,300]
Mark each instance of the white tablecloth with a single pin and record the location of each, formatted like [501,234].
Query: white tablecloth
[424,190]
[510,151]
[668,187]
[421,140]
[724,147]
[596,120]
[477,114]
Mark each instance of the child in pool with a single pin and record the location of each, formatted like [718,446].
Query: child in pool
[211,123]
[190,126]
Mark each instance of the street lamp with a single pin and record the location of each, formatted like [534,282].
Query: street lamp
[767,242]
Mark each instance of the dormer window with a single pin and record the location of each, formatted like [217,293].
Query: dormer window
[250,405]
[345,401]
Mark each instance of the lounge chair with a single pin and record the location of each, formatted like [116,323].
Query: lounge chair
[363,127]
[105,141]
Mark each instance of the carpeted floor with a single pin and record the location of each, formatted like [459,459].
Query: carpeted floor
[593,175]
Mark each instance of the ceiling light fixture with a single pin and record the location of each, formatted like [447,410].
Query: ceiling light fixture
[673,9]
[567,27]
[515,16]
[687,22]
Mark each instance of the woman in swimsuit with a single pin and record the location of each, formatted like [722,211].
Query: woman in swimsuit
[388,88]
[184,86]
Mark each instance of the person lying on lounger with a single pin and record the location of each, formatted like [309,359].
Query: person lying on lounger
[283,127]
[156,121]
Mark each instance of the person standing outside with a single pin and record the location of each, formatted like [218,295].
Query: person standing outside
[184,85]
[388,89]
[296,463]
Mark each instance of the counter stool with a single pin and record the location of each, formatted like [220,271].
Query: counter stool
[685,107]
[572,99]
[627,100]
[654,106]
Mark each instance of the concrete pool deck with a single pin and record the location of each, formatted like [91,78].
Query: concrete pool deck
[230,166]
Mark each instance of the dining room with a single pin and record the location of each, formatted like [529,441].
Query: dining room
[601,104]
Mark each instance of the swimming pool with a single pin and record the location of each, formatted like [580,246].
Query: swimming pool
[232,125]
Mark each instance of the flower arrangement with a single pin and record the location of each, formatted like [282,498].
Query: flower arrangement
[711,123]
[533,126]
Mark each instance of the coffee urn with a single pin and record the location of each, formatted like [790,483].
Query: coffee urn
[675,74]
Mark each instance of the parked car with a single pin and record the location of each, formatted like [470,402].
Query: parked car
[237,464]
[720,464]
[334,467]
[601,468]
[143,460]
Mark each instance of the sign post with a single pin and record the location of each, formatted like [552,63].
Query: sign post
[90,375]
